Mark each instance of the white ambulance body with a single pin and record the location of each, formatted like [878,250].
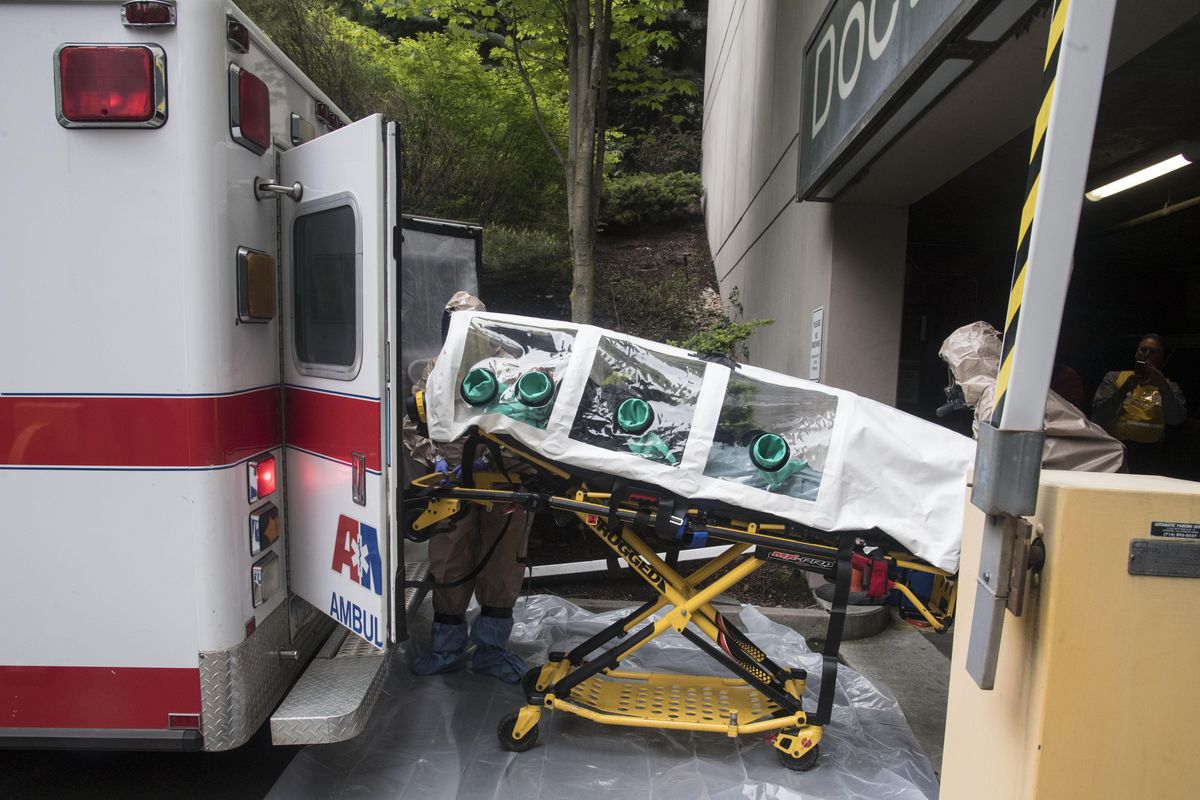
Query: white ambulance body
[196,432]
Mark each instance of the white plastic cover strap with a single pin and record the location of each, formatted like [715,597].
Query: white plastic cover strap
[748,437]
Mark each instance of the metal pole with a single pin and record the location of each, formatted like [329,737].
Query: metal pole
[1008,459]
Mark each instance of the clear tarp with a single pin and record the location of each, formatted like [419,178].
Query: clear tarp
[743,436]
[435,737]
[638,400]
[511,369]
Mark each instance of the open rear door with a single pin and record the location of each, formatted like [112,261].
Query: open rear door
[336,427]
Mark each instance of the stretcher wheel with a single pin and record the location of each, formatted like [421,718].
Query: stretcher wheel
[505,733]
[800,764]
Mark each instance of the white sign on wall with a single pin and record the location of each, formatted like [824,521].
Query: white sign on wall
[818,333]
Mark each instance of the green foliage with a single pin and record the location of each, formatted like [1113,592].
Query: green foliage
[726,338]
[525,250]
[726,335]
[659,152]
[646,199]
[472,148]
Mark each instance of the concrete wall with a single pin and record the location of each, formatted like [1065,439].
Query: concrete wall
[788,258]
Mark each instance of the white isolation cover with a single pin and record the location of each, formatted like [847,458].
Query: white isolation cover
[749,437]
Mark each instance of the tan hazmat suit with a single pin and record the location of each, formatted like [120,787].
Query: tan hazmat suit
[1073,442]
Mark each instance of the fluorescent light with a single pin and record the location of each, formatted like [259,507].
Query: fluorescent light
[1141,176]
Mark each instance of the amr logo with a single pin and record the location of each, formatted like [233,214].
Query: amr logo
[356,545]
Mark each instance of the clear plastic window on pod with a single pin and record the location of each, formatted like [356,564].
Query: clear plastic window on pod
[509,369]
[638,401]
[772,437]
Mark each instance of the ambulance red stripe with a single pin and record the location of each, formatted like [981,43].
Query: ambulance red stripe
[96,697]
[165,431]
[333,425]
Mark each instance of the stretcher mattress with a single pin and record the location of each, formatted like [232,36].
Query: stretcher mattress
[755,439]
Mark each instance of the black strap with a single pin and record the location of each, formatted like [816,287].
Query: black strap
[833,636]
[482,562]
[474,440]
[620,488]
[662,518]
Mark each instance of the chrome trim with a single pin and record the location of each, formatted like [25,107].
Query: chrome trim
[170,4]
[230,23]
[358,477]
[242,267]
[267,189]
[262,588]
[159,117]
[335,371]
[301,130]
[235,111]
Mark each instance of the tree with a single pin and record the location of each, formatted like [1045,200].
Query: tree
[602,44]
[481,159]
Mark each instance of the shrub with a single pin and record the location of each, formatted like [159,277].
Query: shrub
[660,151]
[727,338]
[645,199]
[524,250]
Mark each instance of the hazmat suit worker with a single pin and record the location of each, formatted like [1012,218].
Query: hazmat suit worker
[481,555]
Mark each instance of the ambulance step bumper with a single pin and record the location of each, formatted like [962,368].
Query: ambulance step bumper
[334,697]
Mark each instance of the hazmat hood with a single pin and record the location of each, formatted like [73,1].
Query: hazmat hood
[748,437]
[1072,442]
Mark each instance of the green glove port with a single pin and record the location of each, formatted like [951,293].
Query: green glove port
[535,388]
[479,387]
[769,452]
[634,415]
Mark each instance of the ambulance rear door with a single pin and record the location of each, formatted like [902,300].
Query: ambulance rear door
[336,267]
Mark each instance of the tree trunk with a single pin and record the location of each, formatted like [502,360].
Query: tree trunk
[588,33]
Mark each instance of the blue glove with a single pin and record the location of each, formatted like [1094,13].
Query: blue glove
[441,466]
[479,465]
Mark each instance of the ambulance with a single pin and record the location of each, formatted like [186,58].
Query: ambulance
[199,382]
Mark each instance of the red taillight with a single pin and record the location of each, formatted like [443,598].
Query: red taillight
[260,478]
[249,110]
[266,477]
[148,13]
[107,84]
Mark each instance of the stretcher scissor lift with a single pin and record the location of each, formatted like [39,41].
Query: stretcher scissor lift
[763,697]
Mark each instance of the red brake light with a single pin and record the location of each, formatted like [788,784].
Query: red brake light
[260,481]
[266,477]
[109,84]
[249,110]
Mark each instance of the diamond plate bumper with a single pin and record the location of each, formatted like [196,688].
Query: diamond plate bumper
[239,686]
[334,697]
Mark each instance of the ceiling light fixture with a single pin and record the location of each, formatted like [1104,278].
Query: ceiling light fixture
[1141,176]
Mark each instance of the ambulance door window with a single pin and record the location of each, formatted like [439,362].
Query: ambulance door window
[327,289]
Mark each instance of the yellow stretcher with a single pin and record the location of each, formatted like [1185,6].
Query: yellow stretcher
[763,697]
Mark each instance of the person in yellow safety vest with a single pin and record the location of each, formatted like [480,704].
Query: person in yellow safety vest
[1136,405]
[482,555]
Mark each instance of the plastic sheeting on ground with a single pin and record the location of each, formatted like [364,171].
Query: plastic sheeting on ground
[435,737]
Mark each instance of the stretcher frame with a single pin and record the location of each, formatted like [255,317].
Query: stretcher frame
[762,697]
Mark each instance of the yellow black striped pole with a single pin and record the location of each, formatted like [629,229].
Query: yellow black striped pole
[1032,183]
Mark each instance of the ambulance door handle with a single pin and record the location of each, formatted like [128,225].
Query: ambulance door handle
[358,477]
[267,189]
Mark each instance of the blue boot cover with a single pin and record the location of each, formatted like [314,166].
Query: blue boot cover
[492,657]
[446,650]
